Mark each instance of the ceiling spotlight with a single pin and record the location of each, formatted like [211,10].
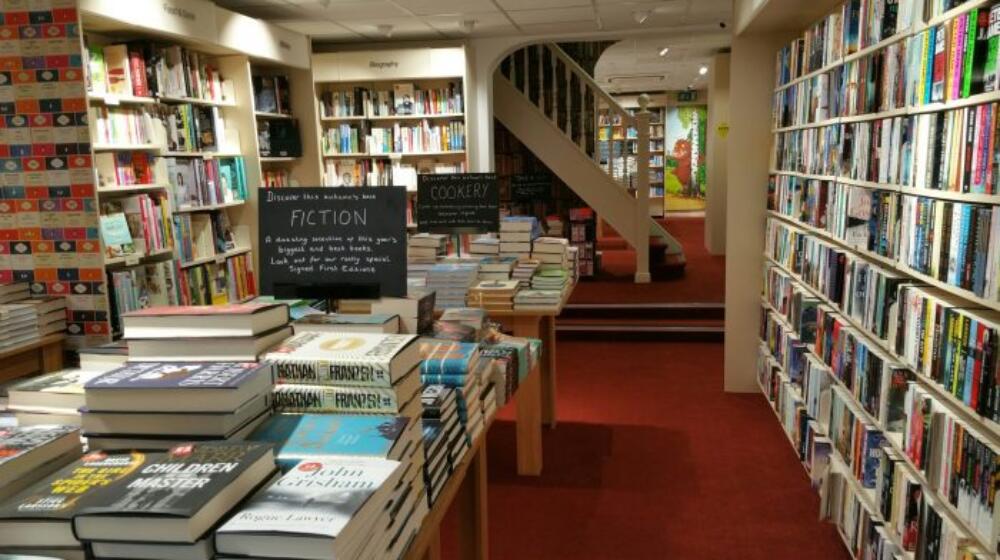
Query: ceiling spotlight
[640,17]
[385,29]
[703,70]
[664,51]
[467,24]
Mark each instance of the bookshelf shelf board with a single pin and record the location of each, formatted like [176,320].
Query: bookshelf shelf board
[195,101]
[126,147]
[112,99]
[267,115]
[123,190]
[902,189]
[418,154]
[203,155]
[219,257]
[978,99]
[952,13]
[348,155]
[890,263]
[210,207]
[416,117]
[344,118]
[277,159]
[133,260]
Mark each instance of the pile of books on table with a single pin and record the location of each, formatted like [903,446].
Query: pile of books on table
[445,442]
[14,292]
[537,300]
[494,295]
[135,505]
[485,246]
[451,283]
[551,252]
[52,398]
[496,268]
[24,319]
[347,322]
[503,375]
[524,271]
[516,235]
[18,325]
[462,324]
[29,453]
[457,365]
[426,247]
[574,263]
[415,311]
[555,279]
[554,225]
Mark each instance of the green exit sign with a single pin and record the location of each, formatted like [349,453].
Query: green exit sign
[687,96]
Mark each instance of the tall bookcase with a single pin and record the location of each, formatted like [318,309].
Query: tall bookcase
[191,132]
[880,314]
[617,144]
[386,116]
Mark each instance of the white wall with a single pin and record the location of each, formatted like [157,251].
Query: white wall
[717,165]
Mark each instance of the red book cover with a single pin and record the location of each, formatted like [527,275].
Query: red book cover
[142,171]
[137,70]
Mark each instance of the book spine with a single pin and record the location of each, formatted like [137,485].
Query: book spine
[322,372]
[350,400]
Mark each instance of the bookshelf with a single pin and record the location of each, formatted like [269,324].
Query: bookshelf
[881,306]
[386,116]
[175,146]
[616,146]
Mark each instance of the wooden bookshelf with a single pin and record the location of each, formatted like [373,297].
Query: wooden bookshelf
[617,146]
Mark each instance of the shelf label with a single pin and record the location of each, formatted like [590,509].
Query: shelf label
[458,203]
[131,260]
[111,99]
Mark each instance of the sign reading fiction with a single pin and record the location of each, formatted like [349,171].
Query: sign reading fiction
[349,238]
[530,187]
[458,202]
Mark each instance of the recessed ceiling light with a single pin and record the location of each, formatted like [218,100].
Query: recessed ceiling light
[703,70]
[467,25]
[664,51]
[640,16]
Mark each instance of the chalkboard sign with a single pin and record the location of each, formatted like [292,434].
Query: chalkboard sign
[333,242]
[458,203]
[531,187]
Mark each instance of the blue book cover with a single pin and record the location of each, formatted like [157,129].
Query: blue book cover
[929,81]
[873,455]
[447,380]
[447,358]
[298,437]
[161,375]
[970,360]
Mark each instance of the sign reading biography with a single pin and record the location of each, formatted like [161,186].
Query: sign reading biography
[530,187]
[458,203]
[333,242]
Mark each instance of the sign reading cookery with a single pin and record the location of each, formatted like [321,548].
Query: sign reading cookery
[530,187]
[340,241]
[458,203]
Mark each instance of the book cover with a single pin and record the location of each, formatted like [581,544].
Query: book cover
[335,398]
[17,441]
[159,375]
[300,437]
[990,77]
[404,101]
[180,482]
[448,358]
[117,68]
[97,81]
[202,310]
[314,498]
[338,358]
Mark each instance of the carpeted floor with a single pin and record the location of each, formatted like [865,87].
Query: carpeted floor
[651,460]
[703,282]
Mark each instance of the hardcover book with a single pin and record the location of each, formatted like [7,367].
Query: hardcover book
[23,448]
[177,387]
[336,399]
[242,319]
[304,437]
[448,358]
[318,509]
[359,359]
[178,496]
[342,322]
[58,390]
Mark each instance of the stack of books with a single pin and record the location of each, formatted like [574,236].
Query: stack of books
[574,263]
[346,322]
[524,271]
[496,268]
[451,283]
[16,291]
[426,247]
[552,252]
[503,374]
[139,506]
[18,325]
[415,311]
[441,414]
[488,398]
[539,300]
[464,324]
[156,405]
[494,295]
[554,225]
[457,365]
[555,279]
[51,313]
[485,246]
[28,453]
[52,398]
[104,357]
[516,235]
[437,468]
[328,508]
[201,333]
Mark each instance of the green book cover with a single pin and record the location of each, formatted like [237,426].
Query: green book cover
[95,68]
[970,47]
[993,37]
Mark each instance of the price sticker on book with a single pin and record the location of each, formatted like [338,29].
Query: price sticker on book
[112,100]
[131,260]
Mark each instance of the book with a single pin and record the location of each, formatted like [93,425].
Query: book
[61,390]
[404,99]
[235,320]
[308,437]
[177,387]
[221,425]
[346,399]
[116,64]
[41,515]
[342,322]
[198,349]
[23,449]
[358,359]
[448,358]
[319,509]
[177,496]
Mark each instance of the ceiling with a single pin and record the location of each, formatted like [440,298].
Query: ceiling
[635,65]
[360,20]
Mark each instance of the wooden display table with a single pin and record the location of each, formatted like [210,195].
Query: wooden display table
[536,396]
[44,355]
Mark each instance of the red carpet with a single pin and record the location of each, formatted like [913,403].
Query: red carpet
[704,277]
[652,460]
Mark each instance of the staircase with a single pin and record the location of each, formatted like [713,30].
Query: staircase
[651,322]
[551,104]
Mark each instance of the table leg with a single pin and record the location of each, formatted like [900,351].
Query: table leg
[529,406]
[473,531]
[548,367]
[52,357]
